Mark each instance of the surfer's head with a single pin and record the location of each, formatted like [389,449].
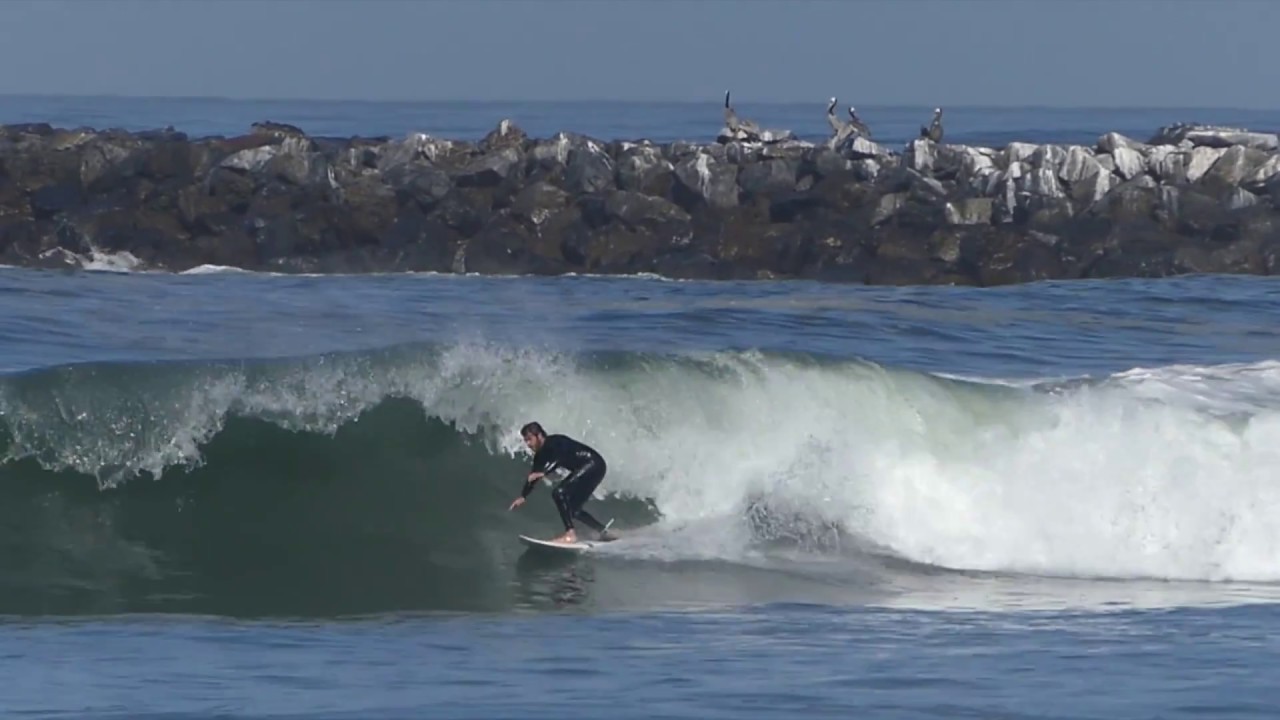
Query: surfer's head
[533,435]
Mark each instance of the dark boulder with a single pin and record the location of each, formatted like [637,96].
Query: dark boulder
[755,205]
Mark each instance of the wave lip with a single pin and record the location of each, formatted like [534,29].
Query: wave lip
[347,464]
[1219,389]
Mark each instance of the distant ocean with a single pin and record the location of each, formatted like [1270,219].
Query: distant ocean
[238,495]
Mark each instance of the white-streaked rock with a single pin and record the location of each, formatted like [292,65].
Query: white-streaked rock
[969,211]
[1019,152]
[921,155]
[1112,141]
[1237,163]
[1202,158]
[1169,163]
[977,162]
[1079,163]
[1093,188]
[251,159]
[1050,157]
[1214,136]
[1041,182]
[1265,172]
[1227,138]
[1129,162]
[997,181]
[861,148]
[866,170]
[714,180]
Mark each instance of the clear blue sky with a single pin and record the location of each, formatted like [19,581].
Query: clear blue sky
[869,52]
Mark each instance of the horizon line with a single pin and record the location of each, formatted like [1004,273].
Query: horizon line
[615,101]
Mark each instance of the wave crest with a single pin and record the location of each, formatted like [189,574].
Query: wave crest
[1158,473]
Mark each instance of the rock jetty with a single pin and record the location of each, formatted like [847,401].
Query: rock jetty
[753,204]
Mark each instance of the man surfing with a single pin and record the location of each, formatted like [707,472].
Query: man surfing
[586,469]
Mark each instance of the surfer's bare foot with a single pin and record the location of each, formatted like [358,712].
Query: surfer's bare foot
[568,537]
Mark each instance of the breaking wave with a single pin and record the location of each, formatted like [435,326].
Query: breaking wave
[381,479]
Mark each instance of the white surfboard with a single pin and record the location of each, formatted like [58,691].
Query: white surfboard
[580,546]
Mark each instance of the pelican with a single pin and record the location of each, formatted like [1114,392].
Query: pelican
[934,131]
[857,123]
[734,124]
[836,123]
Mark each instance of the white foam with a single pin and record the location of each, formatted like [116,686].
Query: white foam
[213,270]
[98,260]
[1093,484]
[123,261]
[1100,481]
[1162,473]
[1218,389]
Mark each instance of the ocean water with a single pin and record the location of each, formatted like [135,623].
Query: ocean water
[233,495]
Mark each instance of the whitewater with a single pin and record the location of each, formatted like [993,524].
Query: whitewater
[1108,478]
[866,437]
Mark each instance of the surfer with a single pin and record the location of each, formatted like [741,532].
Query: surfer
[586,469]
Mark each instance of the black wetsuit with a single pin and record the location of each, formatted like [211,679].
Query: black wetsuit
[586,469]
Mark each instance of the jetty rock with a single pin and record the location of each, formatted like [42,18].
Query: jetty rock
[753,204]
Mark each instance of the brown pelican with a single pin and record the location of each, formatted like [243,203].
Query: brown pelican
[857,123]
[934,131]
[846,130]
[836,123]
[734,124]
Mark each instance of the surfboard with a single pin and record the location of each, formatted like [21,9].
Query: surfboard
[580,546]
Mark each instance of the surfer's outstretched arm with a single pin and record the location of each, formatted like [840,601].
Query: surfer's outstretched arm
[529,484]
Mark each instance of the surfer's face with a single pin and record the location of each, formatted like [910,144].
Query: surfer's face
[534,442]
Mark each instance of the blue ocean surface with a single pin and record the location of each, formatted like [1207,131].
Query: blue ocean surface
[237,495]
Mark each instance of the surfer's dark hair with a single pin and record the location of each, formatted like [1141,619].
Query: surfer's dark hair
[532,428]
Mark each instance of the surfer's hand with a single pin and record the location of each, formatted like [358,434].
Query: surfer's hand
[515,504]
